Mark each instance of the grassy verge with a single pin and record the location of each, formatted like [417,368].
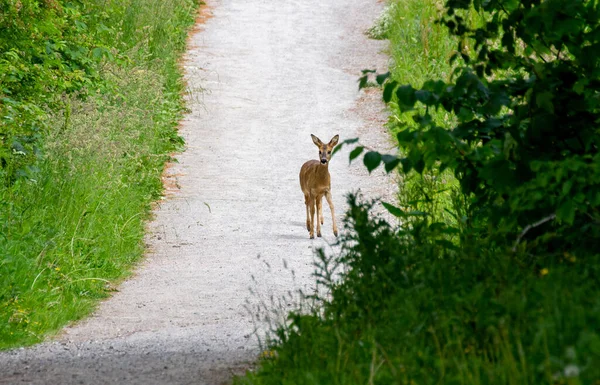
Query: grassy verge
[420,49]
[75,224]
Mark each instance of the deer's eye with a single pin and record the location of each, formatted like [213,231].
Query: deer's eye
[329,152]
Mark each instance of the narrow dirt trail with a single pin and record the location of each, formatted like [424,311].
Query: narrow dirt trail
[272,73]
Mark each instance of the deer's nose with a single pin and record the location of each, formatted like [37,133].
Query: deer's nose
[323,161]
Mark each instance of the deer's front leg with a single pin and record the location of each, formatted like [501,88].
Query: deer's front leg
[319,214]
[330,202]
[311,226]
[320,210]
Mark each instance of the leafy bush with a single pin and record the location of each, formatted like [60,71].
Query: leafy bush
[525,147]
[47,51]
[406,312]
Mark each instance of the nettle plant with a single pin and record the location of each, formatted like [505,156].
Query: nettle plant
[526,99]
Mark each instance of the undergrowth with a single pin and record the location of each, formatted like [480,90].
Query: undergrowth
[408,312]
[77,185]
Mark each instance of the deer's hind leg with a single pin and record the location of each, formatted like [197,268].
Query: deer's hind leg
[330,202]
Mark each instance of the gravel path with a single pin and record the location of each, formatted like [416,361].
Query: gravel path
[231,230]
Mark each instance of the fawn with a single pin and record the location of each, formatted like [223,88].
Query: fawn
[316,183]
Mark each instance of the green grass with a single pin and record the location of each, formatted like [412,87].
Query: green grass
[405,311]
[419,47]
[75,226]
[420,50]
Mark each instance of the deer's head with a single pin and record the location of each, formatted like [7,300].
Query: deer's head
[325,149]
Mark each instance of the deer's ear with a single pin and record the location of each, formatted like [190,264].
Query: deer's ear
[334,141]
[316,140]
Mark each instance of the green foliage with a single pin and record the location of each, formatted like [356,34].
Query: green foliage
[419,49]
[52,49]
[47,51]
[526,140]
[72,214]
[404,311]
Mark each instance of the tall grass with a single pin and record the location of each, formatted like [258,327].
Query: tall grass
[74,227]
[420,50]
[404,312]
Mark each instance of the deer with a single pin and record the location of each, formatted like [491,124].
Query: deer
[315,183]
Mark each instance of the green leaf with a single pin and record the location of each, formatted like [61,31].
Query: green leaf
[544,100]
[416,213]
[465,114]
[405,136]
[419,165]
[81,26]
[446,244]
[437,227]
[396,211]
[355,153]
[362,82]
[566,212]
[388,90]
[406,165]
[97,53]
[381,78]
[339,146]
[406,96]
[508,41]
[567,187]
[372,160]
[424,97]
[580,86]
[390,161]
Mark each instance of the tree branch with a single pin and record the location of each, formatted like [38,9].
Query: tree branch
[531,226]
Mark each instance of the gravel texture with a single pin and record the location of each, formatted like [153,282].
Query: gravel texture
[230,234]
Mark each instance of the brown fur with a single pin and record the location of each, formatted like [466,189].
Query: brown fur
[315,183]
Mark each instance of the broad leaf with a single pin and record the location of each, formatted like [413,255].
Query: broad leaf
[390,161]
[372,159]
[406,97]
[566,212]
[339,146]
[355,153]
[396,211]
[381,78]
[388,90]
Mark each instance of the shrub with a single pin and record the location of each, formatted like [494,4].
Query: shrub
[404,312]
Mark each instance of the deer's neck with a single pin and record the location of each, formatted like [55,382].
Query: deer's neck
[323,169]
[322,172]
